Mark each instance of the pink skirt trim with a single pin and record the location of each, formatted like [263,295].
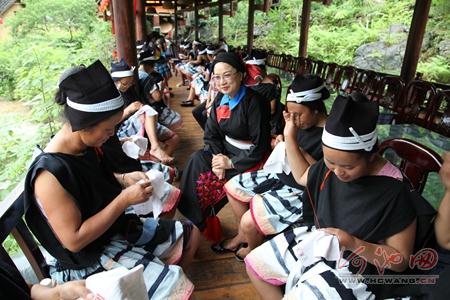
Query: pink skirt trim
[250,267]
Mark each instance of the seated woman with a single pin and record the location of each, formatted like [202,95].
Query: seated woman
[274,199]
[76,204]
[186,55]
[353,194]
[202,111]
[258,80]
[150,83]
[198,88]
[139,121]
[237,136]
[439,291]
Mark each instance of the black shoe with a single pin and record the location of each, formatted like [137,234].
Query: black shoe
[187,103]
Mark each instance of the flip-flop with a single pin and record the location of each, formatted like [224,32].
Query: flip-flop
[187,103]
[220,248]
[236,255]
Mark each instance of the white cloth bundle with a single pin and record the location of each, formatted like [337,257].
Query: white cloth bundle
[317,246]
[135,147]
[277,161]
[148,110]
[118,284]
[154,203]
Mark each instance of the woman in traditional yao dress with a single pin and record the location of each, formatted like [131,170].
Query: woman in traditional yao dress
[237,136]
[353,194]
[266,203]
[80,210]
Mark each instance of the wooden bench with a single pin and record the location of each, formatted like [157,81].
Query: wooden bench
[12,210]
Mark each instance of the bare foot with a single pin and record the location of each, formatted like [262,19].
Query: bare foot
[160,154]
[233,243]
[243,252]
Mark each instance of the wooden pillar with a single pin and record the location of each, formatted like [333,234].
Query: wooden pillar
[415,39]
[111,9]
[196,19]
[306,16]
[220,15]
[141,21]
[175,38]
[125,31]
[250,25]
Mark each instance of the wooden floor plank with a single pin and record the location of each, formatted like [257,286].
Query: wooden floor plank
[215,276]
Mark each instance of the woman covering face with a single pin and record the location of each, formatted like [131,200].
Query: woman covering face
[237,138]
[267,203]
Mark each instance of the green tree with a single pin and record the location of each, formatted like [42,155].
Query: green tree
[44,15]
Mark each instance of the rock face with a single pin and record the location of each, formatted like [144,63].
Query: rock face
[444,48]
[385,54]
[380,56]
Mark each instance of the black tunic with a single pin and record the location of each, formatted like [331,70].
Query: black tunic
[309,140]
[92,185]
[248,121]
[372,208]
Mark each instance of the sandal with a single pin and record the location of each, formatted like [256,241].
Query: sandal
[220,248]
[187,103]
[236,255]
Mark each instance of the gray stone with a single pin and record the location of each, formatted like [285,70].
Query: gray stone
[398,28]
[379,56]
[444,48]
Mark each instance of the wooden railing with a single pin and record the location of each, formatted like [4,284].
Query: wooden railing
[420,102]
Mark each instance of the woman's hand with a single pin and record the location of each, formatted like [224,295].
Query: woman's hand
[220,173]
[138,192]
[132,178]
[132,108]
[221,161]
[74,290]
[279,138]
[346,240]
[292,121]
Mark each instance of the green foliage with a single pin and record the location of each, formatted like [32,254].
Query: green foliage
[436,69]
[47,38]
[44,16]
[337,30]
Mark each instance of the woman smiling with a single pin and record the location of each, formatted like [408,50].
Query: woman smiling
[237,138]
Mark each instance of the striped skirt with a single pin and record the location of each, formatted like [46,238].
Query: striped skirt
[163,69]
[274,206]
[170,118]
[159,246]
[134,125]
[309,263]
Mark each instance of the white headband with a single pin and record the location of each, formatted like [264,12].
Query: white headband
[255,61]
[121,74]
[107,105]
[154,58]
[196,43]
[139,47]
[210,52]
[202,52]
[305,96]
[355,142]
